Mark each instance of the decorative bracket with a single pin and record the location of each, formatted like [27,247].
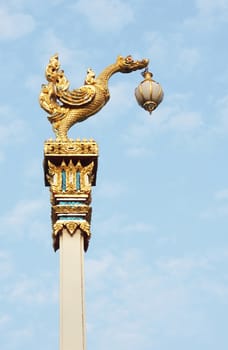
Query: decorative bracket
[70,171]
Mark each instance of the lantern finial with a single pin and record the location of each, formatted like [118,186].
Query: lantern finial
[146,74]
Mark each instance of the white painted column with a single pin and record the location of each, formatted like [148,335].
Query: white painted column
[72,303]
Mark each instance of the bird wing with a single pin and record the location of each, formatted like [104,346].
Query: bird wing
[77,97]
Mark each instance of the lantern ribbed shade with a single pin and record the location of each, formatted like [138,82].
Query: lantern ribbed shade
[149,94]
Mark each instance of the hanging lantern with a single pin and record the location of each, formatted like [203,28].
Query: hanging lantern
[149,93]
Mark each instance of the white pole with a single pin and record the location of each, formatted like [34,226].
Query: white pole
[72,299]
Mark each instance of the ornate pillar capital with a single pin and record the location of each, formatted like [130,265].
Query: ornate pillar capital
[70,169]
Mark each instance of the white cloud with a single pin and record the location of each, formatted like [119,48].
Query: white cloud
[33,171]
[144,299]
[183,265]
[106,15]
[120,93]
[184,121]
[33,291]
[140,130]
[5,264]
[72,60]
[22,211]
[188,59]
[177,118]
[138,151]
[96,269]
[4,320]
[215,212]
[34,82]
[210,7]
[161,47]
[139,227]
[15,25]
[15,130]
[219,290]
[222,112]
[111,190]
[174,118]
[19,335]
[218,208]
[209,14]
[110,224]
[121,225]
[158,45]
[52,44]
[222,194]
[11,128]
[24,217]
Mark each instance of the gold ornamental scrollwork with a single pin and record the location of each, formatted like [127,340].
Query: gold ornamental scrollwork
[80,210]
[71,148]
[72,184]
[70,176]
[71,227]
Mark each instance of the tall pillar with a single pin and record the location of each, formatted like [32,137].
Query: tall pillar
[70,170]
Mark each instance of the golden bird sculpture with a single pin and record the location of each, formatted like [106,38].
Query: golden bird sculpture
[65,107]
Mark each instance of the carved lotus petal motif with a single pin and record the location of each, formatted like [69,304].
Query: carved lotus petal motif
[71,227]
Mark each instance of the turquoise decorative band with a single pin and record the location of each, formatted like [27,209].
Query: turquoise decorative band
[71,218]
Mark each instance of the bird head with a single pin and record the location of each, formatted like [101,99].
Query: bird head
[128,64]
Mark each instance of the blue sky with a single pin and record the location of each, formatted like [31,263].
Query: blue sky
[157,266]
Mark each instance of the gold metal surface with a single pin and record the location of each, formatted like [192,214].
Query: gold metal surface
[55,180]
[70,172]
[71,228]
[65,107]
[71,147]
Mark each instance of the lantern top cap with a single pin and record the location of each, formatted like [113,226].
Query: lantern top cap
[147,75]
